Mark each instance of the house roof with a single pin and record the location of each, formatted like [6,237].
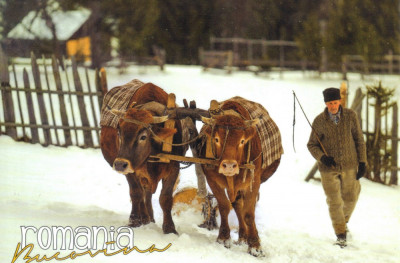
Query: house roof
[33,26]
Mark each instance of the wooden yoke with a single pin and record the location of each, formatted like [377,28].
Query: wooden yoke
[167,145]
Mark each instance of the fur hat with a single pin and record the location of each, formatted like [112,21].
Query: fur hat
[331,94]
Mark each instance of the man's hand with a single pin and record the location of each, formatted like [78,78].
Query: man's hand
[328,161]
[361,170]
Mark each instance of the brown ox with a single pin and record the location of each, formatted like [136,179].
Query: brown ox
[231,136]
[128,148]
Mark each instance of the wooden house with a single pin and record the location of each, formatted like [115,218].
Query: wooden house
[78,34]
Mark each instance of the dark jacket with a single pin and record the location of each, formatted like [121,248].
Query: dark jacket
[343,141]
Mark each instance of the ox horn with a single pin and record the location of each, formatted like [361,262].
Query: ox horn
[154,106]
[161,119]
[117,112]
[252,122]
[209,121]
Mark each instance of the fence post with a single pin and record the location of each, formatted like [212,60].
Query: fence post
[50,100]
[63,110]
[88,140]
[390,58]
[42,107]
[344,67]
[357,104]
[19,101]
[312,172]
[31,111]
[395,146]
[8,105]
[96,123]
[64,67]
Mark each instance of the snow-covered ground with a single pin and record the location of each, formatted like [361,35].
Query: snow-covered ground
[74,187]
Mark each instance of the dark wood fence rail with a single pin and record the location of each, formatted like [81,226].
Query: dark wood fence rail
[56,113]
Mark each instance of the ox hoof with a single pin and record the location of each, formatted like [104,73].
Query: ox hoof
[226,242]
[169,230]
[256,252]
[209,225]
[146,221]
[240,242]
[135,222]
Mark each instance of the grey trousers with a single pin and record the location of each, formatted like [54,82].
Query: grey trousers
[342,191]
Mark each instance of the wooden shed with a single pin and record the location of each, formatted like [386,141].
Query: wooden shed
[78,34]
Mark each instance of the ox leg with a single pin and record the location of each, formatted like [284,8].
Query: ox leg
[224,236]
[249,216]
[166,200]
[136,193]
[146,209]
[149,206]
[238,206]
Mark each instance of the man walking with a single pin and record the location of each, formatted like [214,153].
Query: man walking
[341,159]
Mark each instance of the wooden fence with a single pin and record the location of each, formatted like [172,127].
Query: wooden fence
[264,54]
[388,64]
[382,141]
[53,113]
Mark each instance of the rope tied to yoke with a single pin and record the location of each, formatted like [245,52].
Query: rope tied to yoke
[228,128]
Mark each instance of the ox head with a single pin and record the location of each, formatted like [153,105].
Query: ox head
[229,136]
[139,136]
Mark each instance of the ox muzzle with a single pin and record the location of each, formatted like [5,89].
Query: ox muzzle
[123,166]
[229,167]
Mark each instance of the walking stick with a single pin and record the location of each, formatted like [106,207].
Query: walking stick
[322,146]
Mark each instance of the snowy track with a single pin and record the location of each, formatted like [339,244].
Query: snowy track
[55,186]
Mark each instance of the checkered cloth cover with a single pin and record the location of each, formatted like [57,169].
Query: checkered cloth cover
[117,98]
[268,131]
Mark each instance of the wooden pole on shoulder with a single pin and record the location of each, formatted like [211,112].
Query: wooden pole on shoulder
[343,94]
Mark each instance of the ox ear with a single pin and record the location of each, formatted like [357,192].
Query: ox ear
[252,123]
[118,112]
[163,133]
[249,133]
[251,128]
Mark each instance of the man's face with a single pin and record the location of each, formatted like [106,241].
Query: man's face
[333,106]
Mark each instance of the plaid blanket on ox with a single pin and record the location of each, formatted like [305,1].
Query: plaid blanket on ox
[117,98]
[268,131]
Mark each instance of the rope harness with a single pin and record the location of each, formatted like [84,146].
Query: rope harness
[149,126]
[249,165]
[248,162]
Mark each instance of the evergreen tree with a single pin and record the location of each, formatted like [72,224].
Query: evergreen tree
[356,27]
[310,40]
[184,26]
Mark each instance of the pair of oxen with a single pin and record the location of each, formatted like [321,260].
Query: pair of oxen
[234,141]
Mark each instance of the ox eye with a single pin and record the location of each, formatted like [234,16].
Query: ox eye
[216,140]
[242,141]
[143,137]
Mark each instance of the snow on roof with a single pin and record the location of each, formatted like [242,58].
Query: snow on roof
[33,26]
